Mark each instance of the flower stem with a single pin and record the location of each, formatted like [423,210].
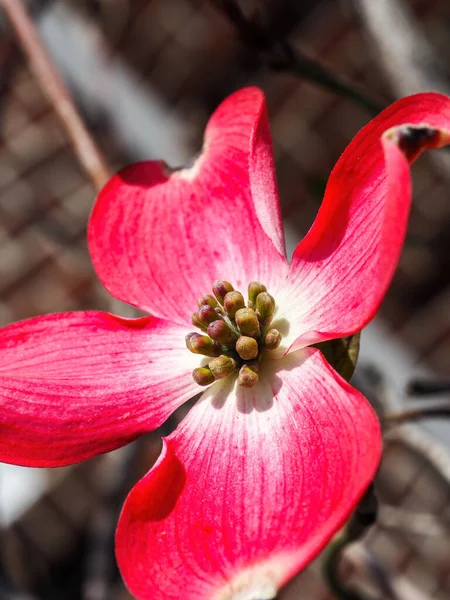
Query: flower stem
[56,91]
[279,55]
[363,517]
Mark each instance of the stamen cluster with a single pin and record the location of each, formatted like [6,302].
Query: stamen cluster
[235,334]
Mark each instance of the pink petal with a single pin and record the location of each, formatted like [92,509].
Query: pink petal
[251,485]
[341,270]
[73,385]
[160,240]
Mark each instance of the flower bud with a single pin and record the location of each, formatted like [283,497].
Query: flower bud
[202,376]
[265,305]
[207,300]
[196,322]
[221,288]
[247,347]
[247,321]
[220,310]
[232,302]
[222,366]
[255,288]
[207,314]
[249,374]
[272,339]
[221,333]
[202,344]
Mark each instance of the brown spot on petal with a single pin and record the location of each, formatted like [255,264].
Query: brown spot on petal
[414,139]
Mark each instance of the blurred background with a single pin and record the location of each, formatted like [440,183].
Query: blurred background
[146,75]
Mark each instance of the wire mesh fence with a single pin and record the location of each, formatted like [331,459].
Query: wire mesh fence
[182,57]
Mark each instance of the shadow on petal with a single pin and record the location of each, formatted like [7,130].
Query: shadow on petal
[145,174]
[259,398]
[264,491]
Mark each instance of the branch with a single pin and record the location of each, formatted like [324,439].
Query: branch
[56,91]
[280,55]
[414,414]
[403,52]
[423,445]
[410,521]
[424,387]
[100,570]
[391,585]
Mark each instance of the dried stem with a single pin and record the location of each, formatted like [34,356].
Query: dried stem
[413,414]
[407,58]
[401,48]
[424,387]
[400,519]
[280,55]
[423,445]
[99,562]
[56,91]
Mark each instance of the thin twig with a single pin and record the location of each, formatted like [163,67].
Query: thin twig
[100,568]
[410,521]
[424,387]
[280,55]
[391,585]
[405,55]
[56,91]
[414,414]
[423,445]
[402,50]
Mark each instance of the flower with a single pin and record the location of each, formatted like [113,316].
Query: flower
[258,476]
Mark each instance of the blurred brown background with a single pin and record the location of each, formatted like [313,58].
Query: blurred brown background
[146,75]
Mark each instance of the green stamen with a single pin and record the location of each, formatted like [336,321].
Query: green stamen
[247,348]
[237,334]
[221,289]
[222,333]
[203,376]
[265,306]
[208,300]
[202,344]
[195,320]
[232,302]
[249,374]
[272,339]
[254,289]
[248,323]
[207,314]
[222,366]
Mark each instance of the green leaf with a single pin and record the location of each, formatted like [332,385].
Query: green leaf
[342,354]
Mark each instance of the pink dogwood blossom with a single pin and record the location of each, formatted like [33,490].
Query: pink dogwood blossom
[276,453]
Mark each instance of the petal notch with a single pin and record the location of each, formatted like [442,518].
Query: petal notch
[159,240]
